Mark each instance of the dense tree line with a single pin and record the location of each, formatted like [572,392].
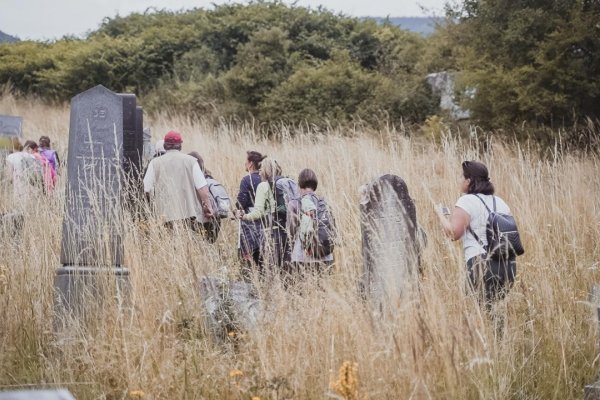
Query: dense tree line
[535,61]
[266,60]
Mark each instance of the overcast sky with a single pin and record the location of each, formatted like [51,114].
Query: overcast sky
[49,19]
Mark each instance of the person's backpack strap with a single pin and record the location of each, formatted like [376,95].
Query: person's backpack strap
[471,230]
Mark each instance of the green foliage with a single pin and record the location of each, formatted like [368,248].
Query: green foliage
[533,60]
[264,60]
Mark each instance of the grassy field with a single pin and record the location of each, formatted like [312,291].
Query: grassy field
[438,345]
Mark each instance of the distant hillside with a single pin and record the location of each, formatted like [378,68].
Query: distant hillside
[423,25]
[6,38]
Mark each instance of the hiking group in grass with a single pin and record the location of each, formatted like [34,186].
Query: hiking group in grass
[284,225]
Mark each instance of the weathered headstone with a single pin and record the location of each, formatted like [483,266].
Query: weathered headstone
[442,83]
[91,247]
[11,126]
[60,394]
[389,240]
[229,306]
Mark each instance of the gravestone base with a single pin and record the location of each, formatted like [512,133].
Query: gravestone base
[83,290]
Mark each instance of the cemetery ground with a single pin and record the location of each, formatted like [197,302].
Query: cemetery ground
[320,339]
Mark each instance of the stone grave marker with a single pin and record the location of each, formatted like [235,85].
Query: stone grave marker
[10,127]
[131,150]
[91,237]
[229,306]
[389,240]
[139,138]
[148,147]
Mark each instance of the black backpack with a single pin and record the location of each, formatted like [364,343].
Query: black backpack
[502,235]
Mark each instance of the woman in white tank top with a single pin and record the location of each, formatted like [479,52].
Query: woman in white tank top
[468,221]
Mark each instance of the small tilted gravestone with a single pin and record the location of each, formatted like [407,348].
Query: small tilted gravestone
[229,306]
[60,394]
[389,241]
[592,392]
[91,247]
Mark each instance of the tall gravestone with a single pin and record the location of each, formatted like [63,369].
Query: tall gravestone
[389,240]
[91,245]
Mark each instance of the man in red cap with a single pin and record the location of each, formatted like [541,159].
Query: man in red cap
[177,183]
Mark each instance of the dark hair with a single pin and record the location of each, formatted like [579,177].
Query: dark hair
[308,179]
[198,157]
[44,141]
[30,144]
[479,176]
[255,158]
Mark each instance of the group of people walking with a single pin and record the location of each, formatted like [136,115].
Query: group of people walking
[283,225]
[31,168]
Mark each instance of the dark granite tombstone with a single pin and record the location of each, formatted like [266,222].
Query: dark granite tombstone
[139,138]
[60,394]
[131,149]
[389,239]
[11,126]
[91,239]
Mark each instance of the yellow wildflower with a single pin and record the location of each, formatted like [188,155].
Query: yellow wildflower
[347,383]
[136,394]
[235,373]
[231,334]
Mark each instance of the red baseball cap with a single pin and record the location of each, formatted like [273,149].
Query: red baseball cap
[173,138]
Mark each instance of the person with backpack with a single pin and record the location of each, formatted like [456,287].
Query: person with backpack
[490,237]
[250,232]
[177,184]
[272,213]
[48,153]
[44,166]
[311,227]
[220,203]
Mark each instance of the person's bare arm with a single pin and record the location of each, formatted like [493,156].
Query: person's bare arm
[203,194]
[456,226]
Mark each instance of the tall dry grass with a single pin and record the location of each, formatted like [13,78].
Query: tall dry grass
[440,344]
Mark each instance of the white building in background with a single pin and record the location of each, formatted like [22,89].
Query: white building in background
[442,83]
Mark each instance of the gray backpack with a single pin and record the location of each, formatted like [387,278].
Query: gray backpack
[220,199]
